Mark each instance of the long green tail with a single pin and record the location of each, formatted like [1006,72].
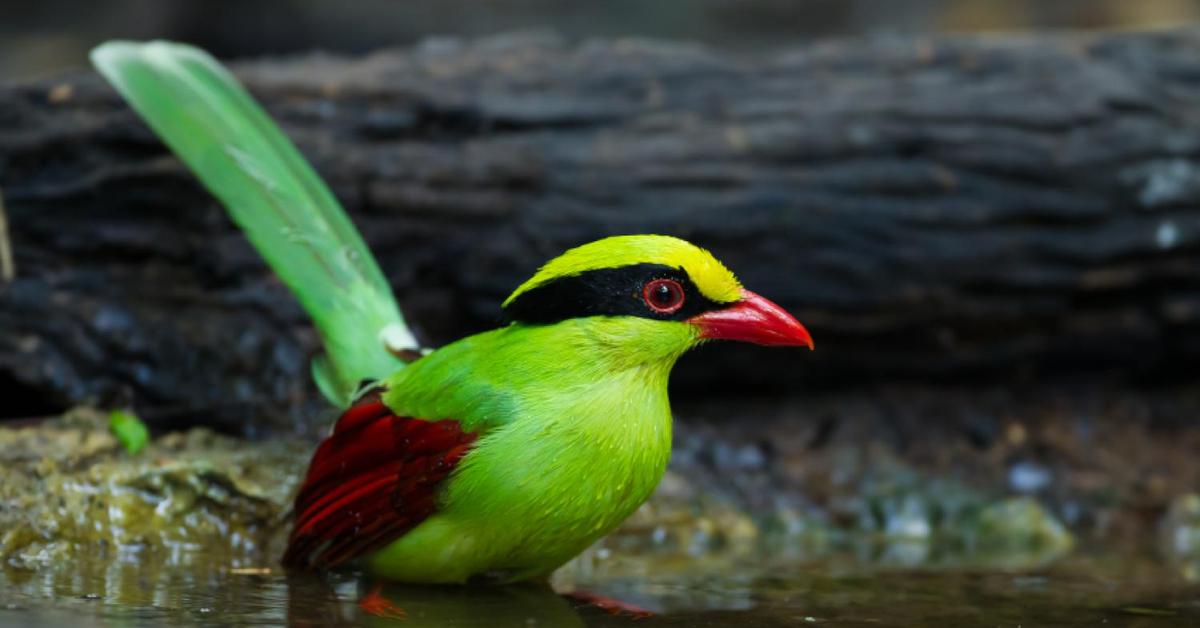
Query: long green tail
[289,214]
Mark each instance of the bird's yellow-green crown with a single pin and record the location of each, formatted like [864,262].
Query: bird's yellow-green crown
[710,276]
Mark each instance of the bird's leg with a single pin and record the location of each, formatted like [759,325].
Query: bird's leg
[612,606]
[377,604]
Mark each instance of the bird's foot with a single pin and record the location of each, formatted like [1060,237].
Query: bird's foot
[612,606]
[376,604]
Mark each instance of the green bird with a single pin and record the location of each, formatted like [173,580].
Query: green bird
[502,455]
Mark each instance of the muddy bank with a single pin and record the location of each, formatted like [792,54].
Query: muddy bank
[68,489]
[816,477]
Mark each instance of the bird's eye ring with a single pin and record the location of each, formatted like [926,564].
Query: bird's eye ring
[663,296]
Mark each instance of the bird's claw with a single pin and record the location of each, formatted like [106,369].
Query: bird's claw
[612,606]
[376,604]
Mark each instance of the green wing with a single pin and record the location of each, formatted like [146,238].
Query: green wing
[289,214]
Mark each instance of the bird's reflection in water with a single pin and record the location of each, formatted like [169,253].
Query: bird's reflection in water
[315,602]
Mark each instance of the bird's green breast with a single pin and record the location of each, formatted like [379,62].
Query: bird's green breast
[575,434]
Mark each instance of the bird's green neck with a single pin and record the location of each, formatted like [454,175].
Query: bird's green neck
[621,344]
[496,373]
[572,357]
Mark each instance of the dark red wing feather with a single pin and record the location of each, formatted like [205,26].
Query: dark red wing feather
[375,478]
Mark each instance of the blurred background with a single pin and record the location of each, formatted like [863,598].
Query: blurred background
[37,38]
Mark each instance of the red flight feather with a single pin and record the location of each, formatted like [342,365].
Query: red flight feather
[375,478]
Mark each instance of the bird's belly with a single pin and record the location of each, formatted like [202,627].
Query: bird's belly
[567,509]
[522,504]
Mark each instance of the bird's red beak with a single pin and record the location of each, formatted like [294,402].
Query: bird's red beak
[753,319]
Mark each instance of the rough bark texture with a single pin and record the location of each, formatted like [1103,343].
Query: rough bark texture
[1014,209]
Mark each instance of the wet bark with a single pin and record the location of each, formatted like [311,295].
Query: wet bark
[1014,210]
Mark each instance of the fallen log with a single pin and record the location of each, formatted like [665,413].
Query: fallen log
[1012,209]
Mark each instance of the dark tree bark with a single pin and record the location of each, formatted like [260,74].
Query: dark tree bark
[1010,209]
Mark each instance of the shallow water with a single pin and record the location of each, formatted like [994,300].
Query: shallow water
[765,589]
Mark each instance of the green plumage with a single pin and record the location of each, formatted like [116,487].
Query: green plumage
[576,431]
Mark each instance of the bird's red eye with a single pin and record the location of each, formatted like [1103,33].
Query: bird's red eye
[664,296]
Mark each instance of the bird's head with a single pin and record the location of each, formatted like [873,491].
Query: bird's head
[670,293]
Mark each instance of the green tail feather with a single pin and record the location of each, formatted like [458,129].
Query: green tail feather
[289,214]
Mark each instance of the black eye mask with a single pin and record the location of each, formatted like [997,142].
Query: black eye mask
[605,292]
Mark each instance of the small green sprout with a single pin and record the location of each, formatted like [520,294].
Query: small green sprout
[129,430]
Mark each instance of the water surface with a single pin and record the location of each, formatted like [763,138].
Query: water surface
[767,588]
